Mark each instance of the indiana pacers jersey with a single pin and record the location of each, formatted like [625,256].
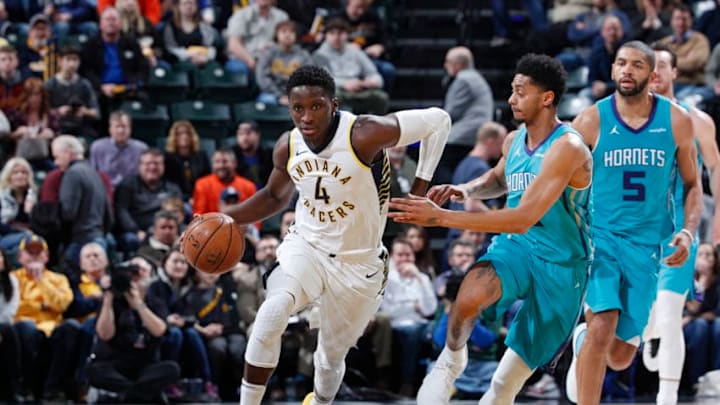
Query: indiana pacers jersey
[632,192]
[563,234]
[343,203]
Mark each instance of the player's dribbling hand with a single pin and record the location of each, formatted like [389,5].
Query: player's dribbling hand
[682,243]
[415,210]
[442,193]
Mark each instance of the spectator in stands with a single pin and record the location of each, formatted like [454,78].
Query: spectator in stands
[206,196]
[484,155]
[33,124]
[692,49]
[129,328]
[700,330]
[18,195]
[177,207]
[461,254]
[359,85]
[275,66]
[11,79]
[482,345]
[72,16]
[187,39]
[138,198]
[368,32]
[9,344]
[39,55]
[72,97]
[602,57]
[250,32]
[87,298]
[254,160]
[469,101]
[709,24]
[163,235]
[287,219]
[150,9]
[45,339]
[136,26]
[419,238]
[185,162]
[581,33]
[249,279]
[224,340]
[113,62]
[409,301]
[172,286]
[118,155]
[501,19]
[85,205]
[712,75]
[653,22]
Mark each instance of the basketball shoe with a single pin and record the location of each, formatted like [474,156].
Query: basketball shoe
[571,378]
[439,385]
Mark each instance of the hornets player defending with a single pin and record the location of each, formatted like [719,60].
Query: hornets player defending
[639,140]
[675,284]
[332,255]
[543,252]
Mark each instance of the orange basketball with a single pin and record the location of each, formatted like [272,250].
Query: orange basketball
[212,243]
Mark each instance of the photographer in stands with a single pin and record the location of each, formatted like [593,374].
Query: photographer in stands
[125,359]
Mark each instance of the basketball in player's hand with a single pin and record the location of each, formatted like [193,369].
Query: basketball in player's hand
[212,243]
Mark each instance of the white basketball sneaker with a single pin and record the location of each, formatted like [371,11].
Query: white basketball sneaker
[439,384]
[571,378]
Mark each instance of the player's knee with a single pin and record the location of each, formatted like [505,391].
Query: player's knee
[480,289]
[621,355]
[272,317]
[601,330]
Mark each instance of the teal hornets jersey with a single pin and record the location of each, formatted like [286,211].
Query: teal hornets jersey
[632,193]
[563,234]
[679,187]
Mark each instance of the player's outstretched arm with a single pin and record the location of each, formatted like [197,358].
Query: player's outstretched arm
[567,162]
[704,129]
[490,184]
[272,198]
[429,126]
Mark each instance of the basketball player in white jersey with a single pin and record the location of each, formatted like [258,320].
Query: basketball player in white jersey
[675,283]
[332,255]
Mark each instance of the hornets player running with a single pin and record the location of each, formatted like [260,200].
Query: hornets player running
[333,254]
[544,250]
[675,284]
[638,140]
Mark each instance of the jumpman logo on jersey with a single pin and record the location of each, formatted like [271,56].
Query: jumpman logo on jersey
[614,130]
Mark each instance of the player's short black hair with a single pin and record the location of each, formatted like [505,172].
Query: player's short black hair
[642,47]
[545,72]
[310,75]
[661,47]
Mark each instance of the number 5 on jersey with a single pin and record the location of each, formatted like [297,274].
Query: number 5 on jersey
[633,186]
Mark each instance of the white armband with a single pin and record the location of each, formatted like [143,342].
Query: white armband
[431,126]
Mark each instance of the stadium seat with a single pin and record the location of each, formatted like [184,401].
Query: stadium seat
[167,86]
[213,83]
[211,120]
[578,78]
[273,119]
[571,105]
[207,145]
[150,121]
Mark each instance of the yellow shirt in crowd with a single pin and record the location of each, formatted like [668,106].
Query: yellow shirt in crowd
[43,301]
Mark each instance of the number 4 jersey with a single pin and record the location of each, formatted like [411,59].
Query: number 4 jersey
[342,207]
[632,173]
